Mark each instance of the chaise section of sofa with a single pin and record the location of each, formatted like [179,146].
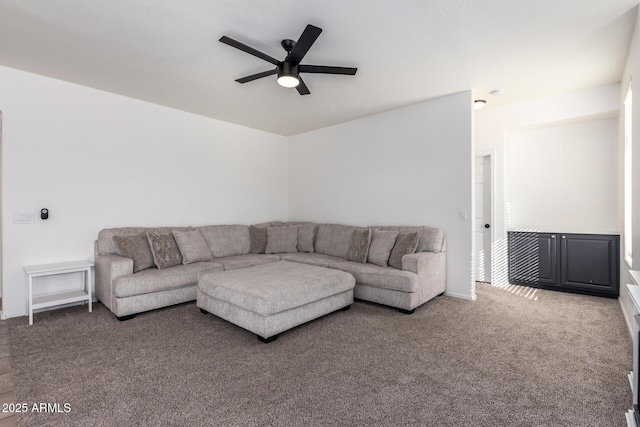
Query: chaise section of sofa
[126,293]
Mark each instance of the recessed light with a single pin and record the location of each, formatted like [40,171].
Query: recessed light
[479,103]
[497,92]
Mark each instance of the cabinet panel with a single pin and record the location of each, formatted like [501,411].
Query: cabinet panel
[589,262]
[547,259]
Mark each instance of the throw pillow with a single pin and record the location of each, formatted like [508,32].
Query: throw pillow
[137,248]
[359,245]
[381,244]
[164,249]
[306,236]
[258,239]
[282,239]
[192,246]
[406,244]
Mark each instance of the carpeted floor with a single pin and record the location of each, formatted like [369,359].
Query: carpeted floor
[503,360]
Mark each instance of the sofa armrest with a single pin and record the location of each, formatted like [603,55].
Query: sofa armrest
[108,268]
[431,268]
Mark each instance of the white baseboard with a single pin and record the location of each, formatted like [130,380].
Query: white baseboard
[631,420]
[461,296]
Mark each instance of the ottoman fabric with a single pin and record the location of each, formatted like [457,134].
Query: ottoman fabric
[276,287]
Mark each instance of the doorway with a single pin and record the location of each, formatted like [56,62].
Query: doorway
[482,221]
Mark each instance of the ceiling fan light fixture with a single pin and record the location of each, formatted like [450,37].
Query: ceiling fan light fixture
[288,81]
[288,75]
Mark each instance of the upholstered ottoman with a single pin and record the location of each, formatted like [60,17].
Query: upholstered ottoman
[272,298]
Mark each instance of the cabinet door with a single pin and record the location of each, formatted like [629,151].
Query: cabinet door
[547,259]
[523,257]
[589,262]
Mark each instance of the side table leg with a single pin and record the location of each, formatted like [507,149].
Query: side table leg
[89,289]
[30,301]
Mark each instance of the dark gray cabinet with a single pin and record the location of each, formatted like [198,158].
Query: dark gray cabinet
[570,262]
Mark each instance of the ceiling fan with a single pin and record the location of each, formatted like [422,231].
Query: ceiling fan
[289,70]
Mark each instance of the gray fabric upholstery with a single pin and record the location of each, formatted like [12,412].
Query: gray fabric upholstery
[306,235]
[359,245]
[108,268]
[368,274]
[243,261]
[334,239]
[107,246]
[258,239]
[319,260]
[192,246]
[430,239]
[164,249]
[137,248]
[406,244]
[227,240]
[153,280]
[273,288]
[382,243]
[282,239]
[145,302]
[268,326]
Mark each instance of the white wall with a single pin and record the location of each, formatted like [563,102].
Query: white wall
[493,127]
[408,166]
[631,72]
[99,160]
[564,178]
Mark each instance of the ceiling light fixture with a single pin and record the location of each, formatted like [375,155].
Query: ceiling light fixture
[479,103]
[288,75]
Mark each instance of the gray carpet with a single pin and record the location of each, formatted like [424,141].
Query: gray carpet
[504,360]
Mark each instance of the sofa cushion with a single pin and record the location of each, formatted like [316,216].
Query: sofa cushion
[306,235]
[164,249]
[282,239]
[381,245]
[107,246]
[319,260]
[365,274]
[359,245]
[258,239]
[334,239]
[193,247]
[137,248]
[406,244]
[243,261]
[227,240]
[381,277]
[154,280]
[430,239]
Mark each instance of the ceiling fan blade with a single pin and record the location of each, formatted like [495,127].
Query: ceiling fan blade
[302,88]
[243,47]
[256,76]
[326,69]
[304,43]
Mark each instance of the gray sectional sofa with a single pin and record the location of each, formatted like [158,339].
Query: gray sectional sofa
[416,278]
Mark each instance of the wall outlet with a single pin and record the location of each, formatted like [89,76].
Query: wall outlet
[24,218]
[462,214]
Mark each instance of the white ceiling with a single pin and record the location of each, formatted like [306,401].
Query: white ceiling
[406,51]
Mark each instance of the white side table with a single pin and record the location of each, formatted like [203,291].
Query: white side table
[58,298]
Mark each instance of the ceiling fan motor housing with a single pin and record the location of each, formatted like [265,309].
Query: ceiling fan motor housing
[287,69]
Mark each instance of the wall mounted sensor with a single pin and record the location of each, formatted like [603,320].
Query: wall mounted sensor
[44,213]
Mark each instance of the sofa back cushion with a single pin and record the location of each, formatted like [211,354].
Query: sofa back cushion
[306,235]
[334,239]
[227,240]
[107,246]
[430,239]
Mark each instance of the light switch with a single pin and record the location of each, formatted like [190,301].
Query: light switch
[462,214]
[24,218]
